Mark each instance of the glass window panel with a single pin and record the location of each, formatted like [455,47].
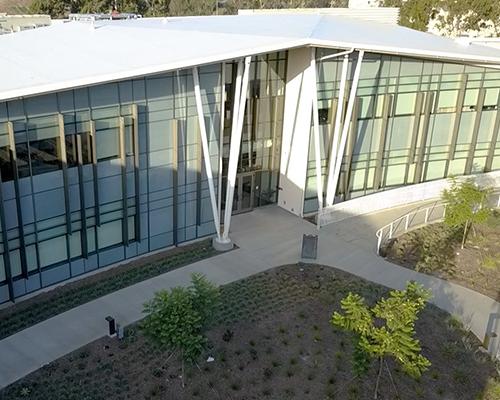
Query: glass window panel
[109,234]
[457,167]
[395,175]
[23,166]
[405,103]
[71,151]
[2,269]
[466,127]
[447,100]
[52,251]
[486,126]
[491,98]
[366,106]
[410,67]
[31,258]
[45,155]
[400,135]
[478,164]
[470,100]
[91,240]
[75,244]
[358,179]
[15,263]
[6,170]
[131,228]
[435,170]
[442,129]
[107,144]
[86,148]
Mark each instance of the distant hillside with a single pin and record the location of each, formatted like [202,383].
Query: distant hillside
[14,6]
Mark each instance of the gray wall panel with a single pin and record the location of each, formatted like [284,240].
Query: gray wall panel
[111,256]
[19,287]
[77,267]
[55,275]
[32,283]
[160,241]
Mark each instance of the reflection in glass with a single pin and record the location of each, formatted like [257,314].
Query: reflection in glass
[44,156]
[6,170]
[23,163]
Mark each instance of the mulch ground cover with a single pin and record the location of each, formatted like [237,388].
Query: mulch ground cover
[435,249]
[271,340]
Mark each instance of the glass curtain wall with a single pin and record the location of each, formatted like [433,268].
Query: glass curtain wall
[414,121]
[96,175]
[262,127]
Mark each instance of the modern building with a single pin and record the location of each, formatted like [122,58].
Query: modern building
[364,11]
[17,23]
[120,138]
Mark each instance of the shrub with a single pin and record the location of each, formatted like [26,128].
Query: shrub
[467,204]
[386,329]
[176,318]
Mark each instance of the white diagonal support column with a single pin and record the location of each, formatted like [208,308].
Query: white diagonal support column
[236,132]
[330,188]
[315,115]
[347,121]
[206,152]
[221,136]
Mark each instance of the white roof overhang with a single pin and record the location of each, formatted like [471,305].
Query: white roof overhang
[78,54]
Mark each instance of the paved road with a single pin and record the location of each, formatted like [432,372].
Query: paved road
[267,237]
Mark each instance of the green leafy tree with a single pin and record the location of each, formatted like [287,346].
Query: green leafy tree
[176,319]
[55,8]
[414,14]
[385,330]
[465,15]
[467,204]
[459,17]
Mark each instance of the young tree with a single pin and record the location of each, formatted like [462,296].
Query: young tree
[386,329]
[467,204]
[176,318]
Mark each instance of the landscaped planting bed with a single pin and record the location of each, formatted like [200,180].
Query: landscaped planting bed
[436,249]
[272,339]
[63,298]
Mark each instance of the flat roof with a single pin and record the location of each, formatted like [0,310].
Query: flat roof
[76,54]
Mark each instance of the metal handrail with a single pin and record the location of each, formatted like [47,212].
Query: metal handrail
[391,228]
[387,232]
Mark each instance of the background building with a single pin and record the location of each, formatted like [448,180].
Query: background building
[133,136]
[17,23]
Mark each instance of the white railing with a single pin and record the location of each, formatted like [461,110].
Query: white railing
[418,218]
[410,221]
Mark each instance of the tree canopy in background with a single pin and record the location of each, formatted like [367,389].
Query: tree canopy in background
[451,15]
[159,8]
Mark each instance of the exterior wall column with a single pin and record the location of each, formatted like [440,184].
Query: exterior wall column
[296,131]
[315,116]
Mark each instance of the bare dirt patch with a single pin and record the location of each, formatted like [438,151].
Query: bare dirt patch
[435,250]
[272,340]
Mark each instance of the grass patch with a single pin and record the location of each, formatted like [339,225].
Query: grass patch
[46,305]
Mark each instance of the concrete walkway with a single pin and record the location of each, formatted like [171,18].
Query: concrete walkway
[267,237]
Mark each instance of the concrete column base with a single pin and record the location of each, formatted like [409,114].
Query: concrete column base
[222,244]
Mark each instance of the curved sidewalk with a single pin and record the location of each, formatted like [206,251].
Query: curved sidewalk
[267,237]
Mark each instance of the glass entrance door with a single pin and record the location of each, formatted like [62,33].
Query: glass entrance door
[243,193]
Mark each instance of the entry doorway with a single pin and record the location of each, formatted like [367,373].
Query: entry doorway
[244,193]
